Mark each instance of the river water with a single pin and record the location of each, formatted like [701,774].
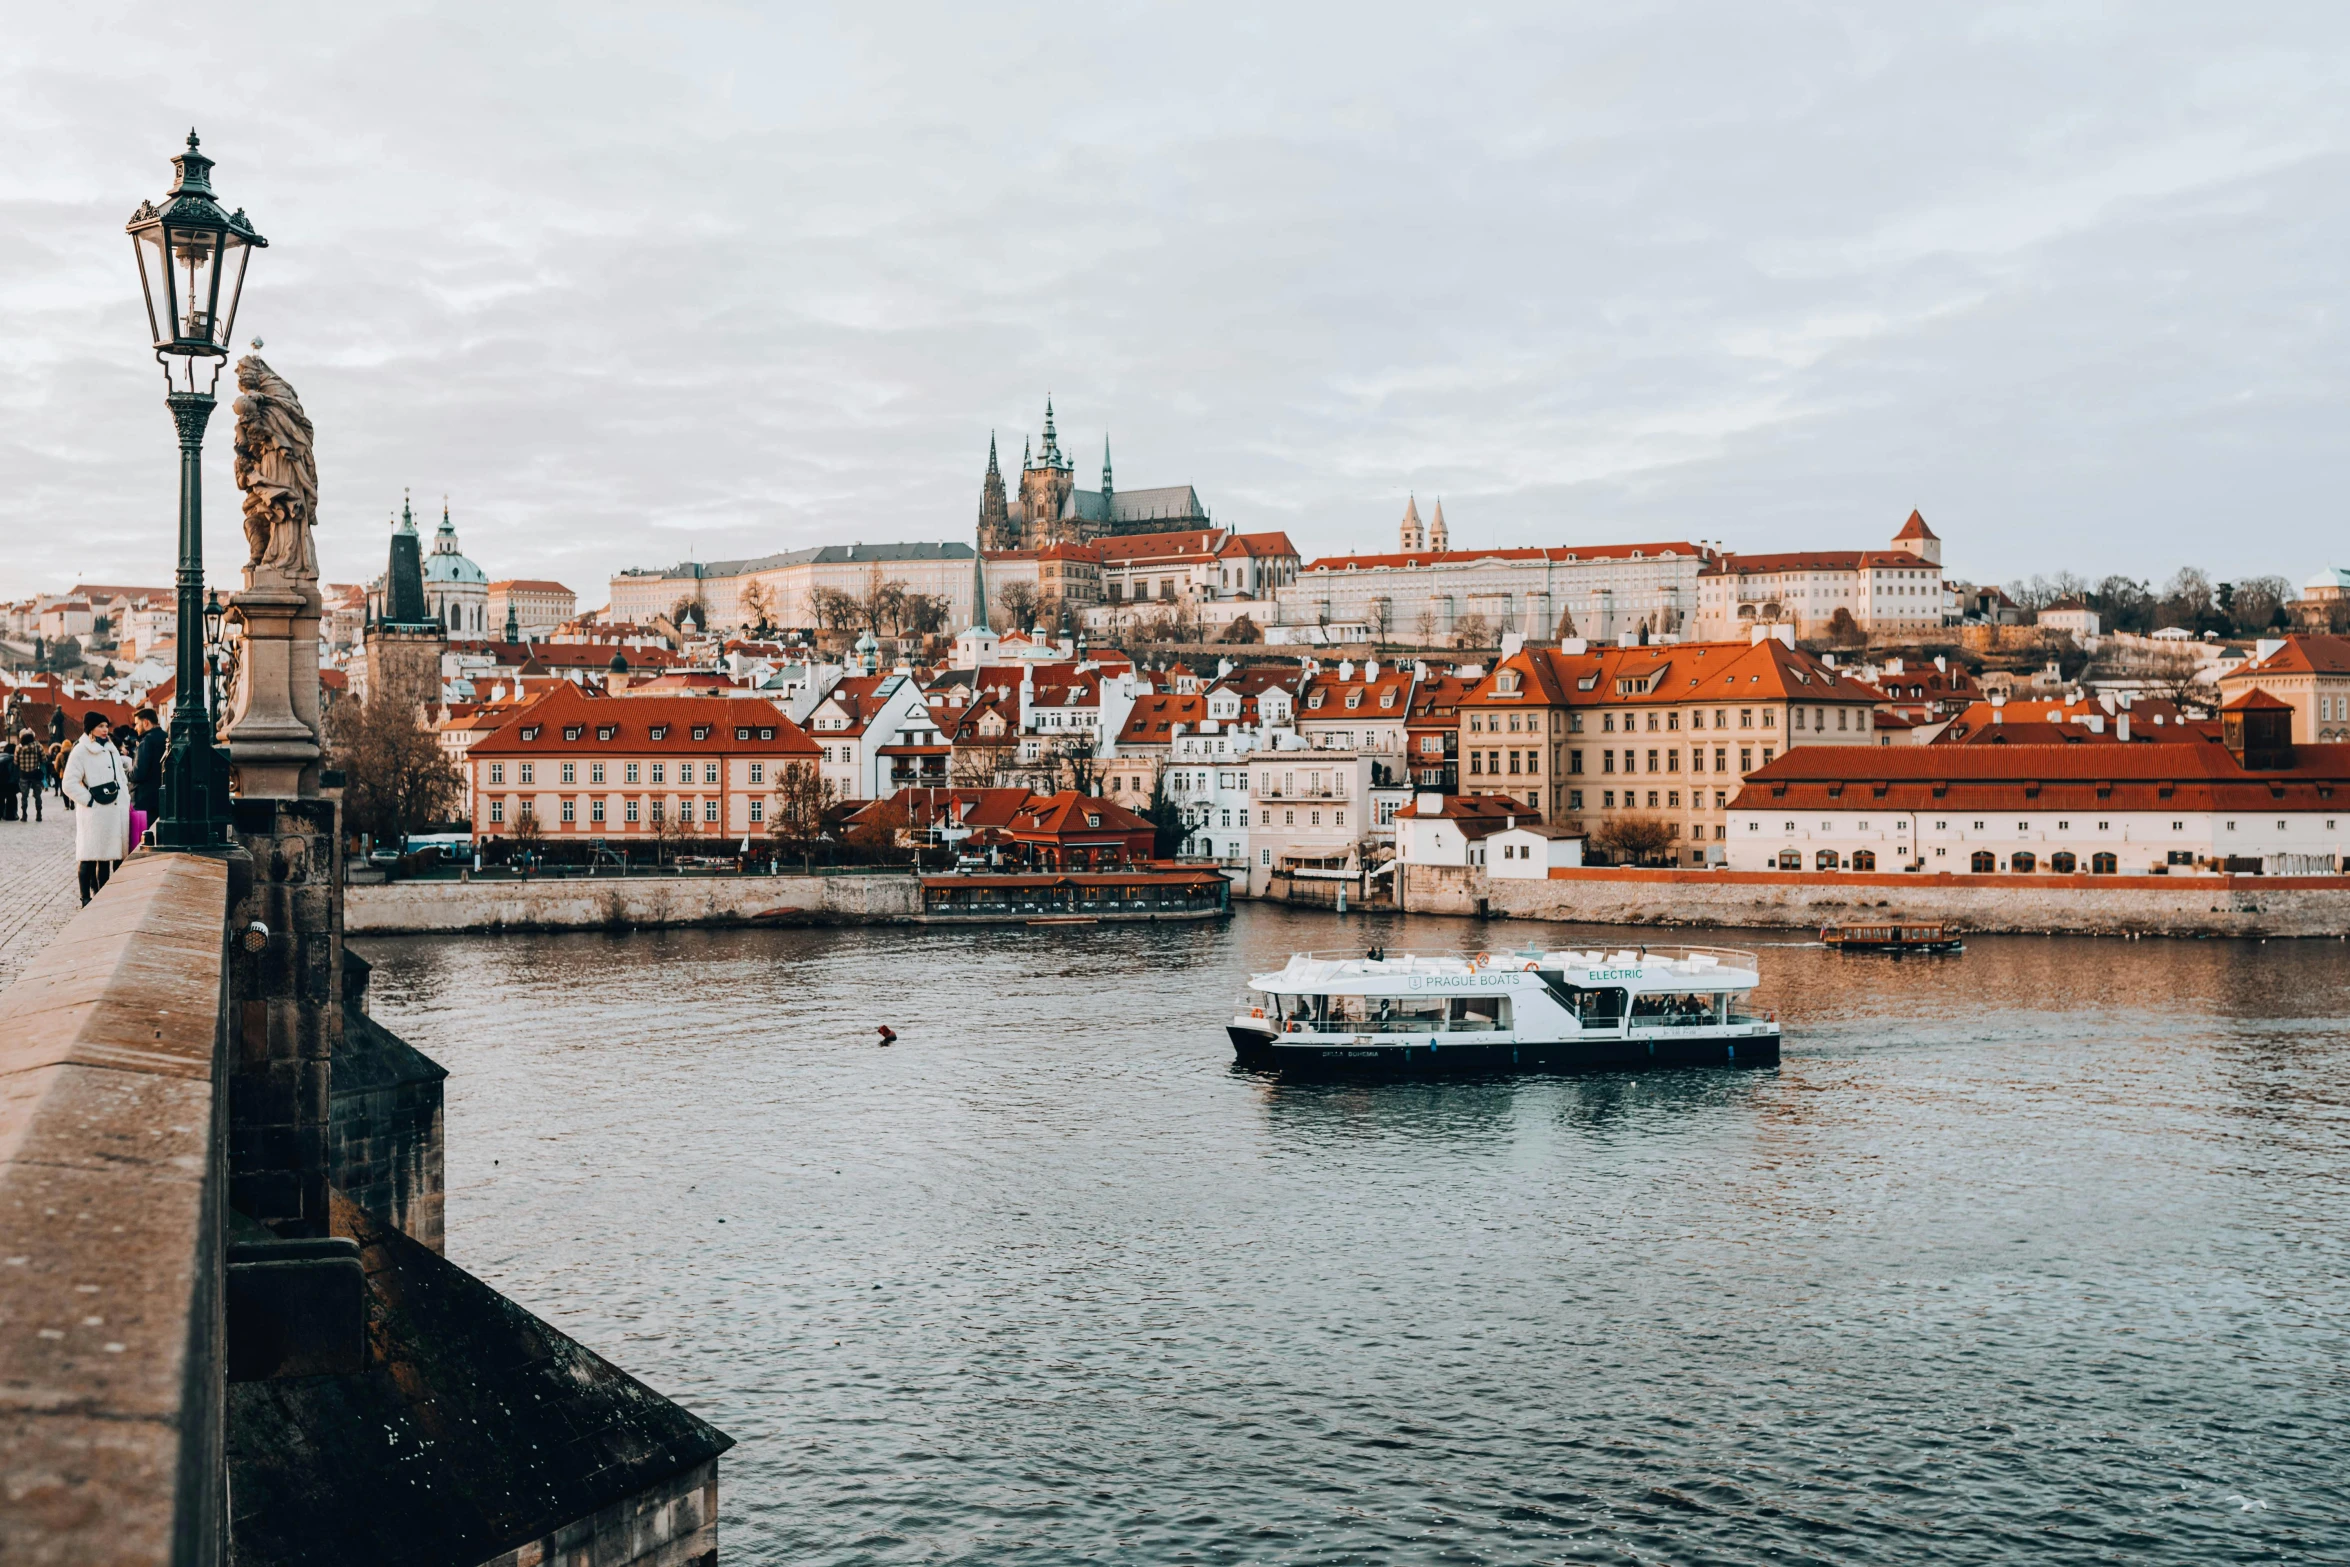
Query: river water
[2036,1253]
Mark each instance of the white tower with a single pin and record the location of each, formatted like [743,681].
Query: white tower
[1415,537]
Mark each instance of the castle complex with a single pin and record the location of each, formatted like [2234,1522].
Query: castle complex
[1050,509]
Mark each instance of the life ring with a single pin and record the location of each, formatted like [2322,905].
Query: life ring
[1477,963]
[1256,1011]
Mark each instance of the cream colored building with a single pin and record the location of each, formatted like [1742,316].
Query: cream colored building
[1897,590]
[537,607]
[2310,673]
[788,583]
[1424,592]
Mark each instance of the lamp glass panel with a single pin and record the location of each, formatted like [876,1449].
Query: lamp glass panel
[195,259]
[158,282]
[235,253]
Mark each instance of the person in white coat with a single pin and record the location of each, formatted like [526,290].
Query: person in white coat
[99,785]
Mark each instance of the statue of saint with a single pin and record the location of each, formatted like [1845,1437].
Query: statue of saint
[277,471]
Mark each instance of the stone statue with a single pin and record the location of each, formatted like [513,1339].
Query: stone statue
[278,473]
[273,729]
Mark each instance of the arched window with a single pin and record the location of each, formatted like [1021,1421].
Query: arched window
[2063,863]
[1864,859]
[1825,859]
[1790,859]
[2103,864]
[1984,862]
[2023,862]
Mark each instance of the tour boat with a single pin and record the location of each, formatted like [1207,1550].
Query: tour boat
[1892,936]
[1411,1014]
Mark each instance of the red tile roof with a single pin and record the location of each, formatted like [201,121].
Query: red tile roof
[2303,654]
[538,730]
[1916,528]
[2193,775]
[2256,700]
[1669,674]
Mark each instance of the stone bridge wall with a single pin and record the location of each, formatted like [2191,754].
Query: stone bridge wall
[619,902]
[112,1119]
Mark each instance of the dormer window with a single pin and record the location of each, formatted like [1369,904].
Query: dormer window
[571,731]
[606,731]
[766,734]
[1314,701]
[1354,699]
[701,731]
[659,732]
[1506,683]
[742,732]
[530,734]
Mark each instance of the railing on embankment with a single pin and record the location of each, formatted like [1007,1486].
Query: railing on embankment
[112,1142]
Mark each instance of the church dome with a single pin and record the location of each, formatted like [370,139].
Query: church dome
[447,564]
[2333,578]
[619,665]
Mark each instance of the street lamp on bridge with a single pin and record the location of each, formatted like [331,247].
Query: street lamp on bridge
[192,258]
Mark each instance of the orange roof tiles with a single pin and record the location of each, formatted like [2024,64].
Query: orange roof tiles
[565,721]
[1577,555]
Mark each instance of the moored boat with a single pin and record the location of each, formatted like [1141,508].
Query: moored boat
[1422,1014]
[1891,936]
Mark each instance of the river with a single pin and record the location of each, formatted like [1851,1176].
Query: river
[2034,1253]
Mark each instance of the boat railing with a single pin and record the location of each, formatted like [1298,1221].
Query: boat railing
[1512,957]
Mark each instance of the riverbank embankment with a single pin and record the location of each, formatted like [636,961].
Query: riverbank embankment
[623,902]
[2187,906]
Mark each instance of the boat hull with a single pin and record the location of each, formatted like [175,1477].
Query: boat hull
[1263,1050]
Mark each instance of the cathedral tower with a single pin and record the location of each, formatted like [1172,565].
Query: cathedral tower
[995,513]
[1438,539]
[1415,537]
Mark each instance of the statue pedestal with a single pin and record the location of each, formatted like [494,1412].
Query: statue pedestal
[273,729]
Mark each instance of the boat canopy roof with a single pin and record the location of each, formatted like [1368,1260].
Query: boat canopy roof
[1637,969]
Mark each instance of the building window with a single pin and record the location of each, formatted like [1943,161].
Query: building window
[628,774]
[2063,863]
[1745,759]
[595,810]
[1574,761]
[1984,862]
[595,772]
[570,809]
[709,810]
[1574,799]
[1746,718]
[1607,799]
[628,811]
[2103,864]
[2023,861]
[1864,860]
[709,772]
[1338,818]
[497,772]
[570,772]
[497,810]
[758,811]
[660,772]
[758,775]
[529,773]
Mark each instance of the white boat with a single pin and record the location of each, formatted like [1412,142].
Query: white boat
[1415,1014]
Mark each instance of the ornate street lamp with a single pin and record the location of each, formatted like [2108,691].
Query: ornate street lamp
[192,259]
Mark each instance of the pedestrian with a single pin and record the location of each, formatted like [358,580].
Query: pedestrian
[8,790]
[94,780]
[146,774]
[32,774]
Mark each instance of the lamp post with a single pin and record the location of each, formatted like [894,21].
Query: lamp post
[192,258]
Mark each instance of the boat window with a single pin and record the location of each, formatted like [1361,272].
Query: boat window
[1592,1005]
[1686,1009]
[1475,1012]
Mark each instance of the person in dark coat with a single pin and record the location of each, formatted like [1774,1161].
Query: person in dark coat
[8,789]
[146,773]
[32,775]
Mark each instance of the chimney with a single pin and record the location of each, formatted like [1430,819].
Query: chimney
[2096,723]
[1429,804]
[2121,727]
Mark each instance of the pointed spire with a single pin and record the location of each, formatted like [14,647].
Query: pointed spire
[1412,534]
[407,516]
[979,590]
[1107,489]
[993,471]
[1438,537]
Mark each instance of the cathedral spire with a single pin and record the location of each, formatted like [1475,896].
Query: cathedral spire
[995,515]
[1438,538]
[979,590]
[1412,534]
[1107,489]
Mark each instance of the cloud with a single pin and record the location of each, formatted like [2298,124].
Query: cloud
[626,283]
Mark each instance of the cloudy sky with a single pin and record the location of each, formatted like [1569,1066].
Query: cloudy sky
[630,283]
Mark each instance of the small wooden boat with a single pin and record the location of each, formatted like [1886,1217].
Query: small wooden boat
[1892,936]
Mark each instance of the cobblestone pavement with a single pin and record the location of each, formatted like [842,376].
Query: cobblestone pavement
[37,890]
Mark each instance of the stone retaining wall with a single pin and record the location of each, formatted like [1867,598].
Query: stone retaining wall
[2100,905]
[621,902]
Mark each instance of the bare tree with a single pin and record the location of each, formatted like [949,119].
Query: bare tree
[927,613]
[397,777]
[796,813]
[1242,629]
[1473,631]
[1017,600]
[2258,605]
[1424,626]
[1636,840]
[884,605]
[834,609]
[758,607]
